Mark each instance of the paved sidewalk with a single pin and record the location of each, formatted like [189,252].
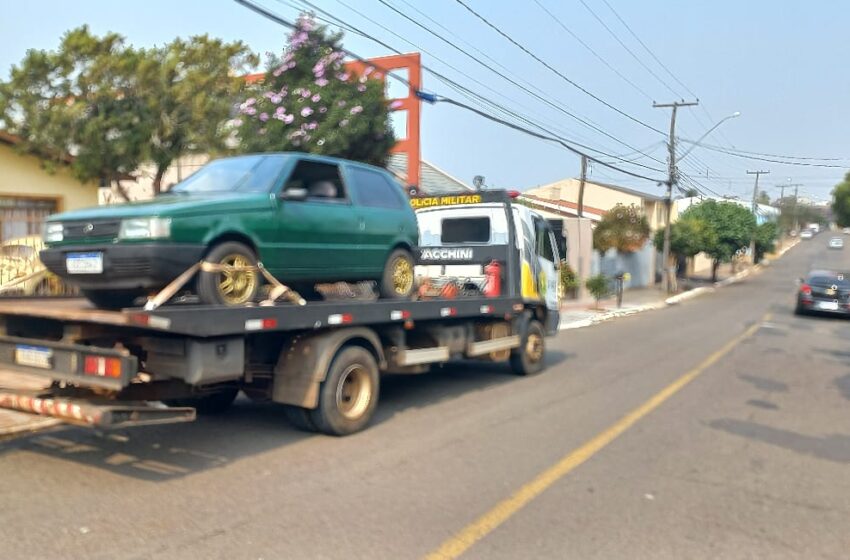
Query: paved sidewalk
[12,423]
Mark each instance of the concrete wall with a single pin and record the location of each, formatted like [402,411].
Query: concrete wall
[142,188]
[23,176]
[640,265]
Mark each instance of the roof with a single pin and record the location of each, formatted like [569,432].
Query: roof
[633,192]
[562,208]
[432,179]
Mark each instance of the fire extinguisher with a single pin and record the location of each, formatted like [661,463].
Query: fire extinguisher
[493,275]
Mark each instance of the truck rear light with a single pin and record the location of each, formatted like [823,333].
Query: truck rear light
[399,315]
[152,321]
[340,319]
[448,312]
[260,324]
[102,367]
[486,309]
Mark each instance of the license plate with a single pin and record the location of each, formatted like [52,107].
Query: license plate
[828,305]
[84,263]
[34,356]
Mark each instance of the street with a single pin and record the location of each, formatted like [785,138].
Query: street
[747,460]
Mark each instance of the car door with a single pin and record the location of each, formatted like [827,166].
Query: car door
[380,206]
[316,234]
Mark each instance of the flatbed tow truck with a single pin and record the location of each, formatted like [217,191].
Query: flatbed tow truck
[322,361]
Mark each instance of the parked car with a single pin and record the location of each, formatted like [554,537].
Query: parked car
[19,260]
[825,291]
[806,234]
[308,219]
[836,243]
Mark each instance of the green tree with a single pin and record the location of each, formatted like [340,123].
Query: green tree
[623,228]
[766,236]
[189,88]
[763,198]
[688,237]
[841,202]
[598,287]
[732,227]
[309,101]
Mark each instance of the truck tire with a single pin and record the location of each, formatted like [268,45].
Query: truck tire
[112,299]
[213,403]
[234,288]
[397,281]
[299,417]
[349,394]
[528,358]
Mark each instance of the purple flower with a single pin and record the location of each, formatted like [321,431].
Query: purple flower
[262,131]
[319,69]
[341,103]
[395,104]
[264,117]
[378,76]
[323,109]
[343,122]
[343,77]
[321,82]
[280,111]
[276,99]
[369,70]
[362,79]
[251,111]
[313,125]
[316,98]
[356,109]
[306,112]
[279,70]
[236,122]
[361,88]
[288,119]
[250,101]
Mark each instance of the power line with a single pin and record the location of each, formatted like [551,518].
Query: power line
[773,159]
[555,70]
[748,152]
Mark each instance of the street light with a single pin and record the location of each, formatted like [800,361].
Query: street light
[709,131]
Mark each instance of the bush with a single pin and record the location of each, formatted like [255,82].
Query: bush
[569,281]
[597,286]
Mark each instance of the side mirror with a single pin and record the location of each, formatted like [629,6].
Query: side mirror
[294,194]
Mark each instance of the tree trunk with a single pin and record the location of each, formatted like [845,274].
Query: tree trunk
[714,266]
[157,179]
[119,188]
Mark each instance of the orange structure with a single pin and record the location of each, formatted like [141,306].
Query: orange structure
[409,145]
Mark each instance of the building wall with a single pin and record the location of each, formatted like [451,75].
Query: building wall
[142,188]
[22,176]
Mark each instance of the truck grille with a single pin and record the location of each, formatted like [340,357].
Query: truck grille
[91,229]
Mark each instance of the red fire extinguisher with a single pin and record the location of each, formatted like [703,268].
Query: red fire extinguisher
[493,274]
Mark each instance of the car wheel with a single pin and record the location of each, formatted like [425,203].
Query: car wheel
[229,287]
[527,359]
[112,299]
[397,279]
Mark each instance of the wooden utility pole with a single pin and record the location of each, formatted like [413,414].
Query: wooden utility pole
[672,178]
[755,210]
[581,186]
[582,181]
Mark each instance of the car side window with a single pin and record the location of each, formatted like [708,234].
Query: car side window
[375,190]
[322,181]
[543,240]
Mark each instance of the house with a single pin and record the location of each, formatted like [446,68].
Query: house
[29,193]
[432,179]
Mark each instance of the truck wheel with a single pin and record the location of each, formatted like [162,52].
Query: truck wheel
[349,394]
[112,299]
[299,417]
[397,279]
[528,358]
[229,288]
[214,403]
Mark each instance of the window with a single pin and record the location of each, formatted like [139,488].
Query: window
[375,189]
[264,176]
[465,230]
[243,174]
[321,180]
[22,216]
[543,241]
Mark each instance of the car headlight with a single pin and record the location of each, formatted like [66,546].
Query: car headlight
[53,232]
[145,228]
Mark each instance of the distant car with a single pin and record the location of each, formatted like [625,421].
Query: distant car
[806,234]
[825,291]
[846,231]
[836,243]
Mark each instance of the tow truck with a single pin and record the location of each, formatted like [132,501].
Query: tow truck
[488,277]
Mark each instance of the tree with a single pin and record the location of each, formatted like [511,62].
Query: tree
[309,101]
[841,202]
[189,90]
[80,104]
[732,227]
[690,192]
[623,228]
[763,198]
[689,236]
[766,236]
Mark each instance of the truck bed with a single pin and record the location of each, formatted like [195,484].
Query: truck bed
[212,321]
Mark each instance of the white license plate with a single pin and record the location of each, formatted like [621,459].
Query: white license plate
[84,263]
[34,356]
[828,305]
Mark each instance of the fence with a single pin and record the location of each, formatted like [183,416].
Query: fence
[23,274]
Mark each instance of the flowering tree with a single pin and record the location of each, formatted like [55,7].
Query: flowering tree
[308,101]
[624,228]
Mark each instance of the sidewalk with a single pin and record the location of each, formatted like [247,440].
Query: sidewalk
[12,423]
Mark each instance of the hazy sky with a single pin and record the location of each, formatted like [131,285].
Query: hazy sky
[782,64]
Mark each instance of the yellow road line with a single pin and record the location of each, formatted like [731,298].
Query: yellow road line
[481,527]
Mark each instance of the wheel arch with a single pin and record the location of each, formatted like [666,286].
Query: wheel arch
[231,235]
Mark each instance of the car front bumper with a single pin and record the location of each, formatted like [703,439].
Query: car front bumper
[126,266]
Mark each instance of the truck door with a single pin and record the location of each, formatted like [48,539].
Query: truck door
[547,256]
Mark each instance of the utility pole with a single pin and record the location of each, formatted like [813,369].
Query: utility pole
[796,222]
[755,208]
[666,282]
[581,184]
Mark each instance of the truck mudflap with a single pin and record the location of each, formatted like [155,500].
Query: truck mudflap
[95,414]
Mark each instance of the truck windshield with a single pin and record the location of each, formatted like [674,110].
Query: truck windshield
[238,174]
[462,225]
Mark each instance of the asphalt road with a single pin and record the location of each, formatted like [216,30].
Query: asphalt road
[719,428]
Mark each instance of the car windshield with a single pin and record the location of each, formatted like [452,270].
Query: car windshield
[839,280]
[238,174]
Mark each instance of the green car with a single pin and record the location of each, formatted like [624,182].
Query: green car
[308,219]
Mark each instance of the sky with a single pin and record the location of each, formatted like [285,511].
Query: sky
[782,64]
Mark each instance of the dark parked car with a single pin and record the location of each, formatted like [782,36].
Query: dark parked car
[824,291]
[309,219]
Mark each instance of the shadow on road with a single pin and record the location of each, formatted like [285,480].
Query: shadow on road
[834,447]
[159,453]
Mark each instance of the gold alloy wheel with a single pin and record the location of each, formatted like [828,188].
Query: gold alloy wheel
[534,347]
[236,286]
[402,276]
[354,392]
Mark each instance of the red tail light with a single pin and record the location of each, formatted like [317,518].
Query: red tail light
[102,367]
[805,289]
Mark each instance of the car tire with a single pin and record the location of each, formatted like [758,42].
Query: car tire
[299,417]
[349,394]
[528,358]
[112,299]
[213,403]
[235,288]
[397,280]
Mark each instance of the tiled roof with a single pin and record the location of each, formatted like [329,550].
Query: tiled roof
[432,179]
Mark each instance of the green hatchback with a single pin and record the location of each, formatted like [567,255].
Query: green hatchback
[308,219]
